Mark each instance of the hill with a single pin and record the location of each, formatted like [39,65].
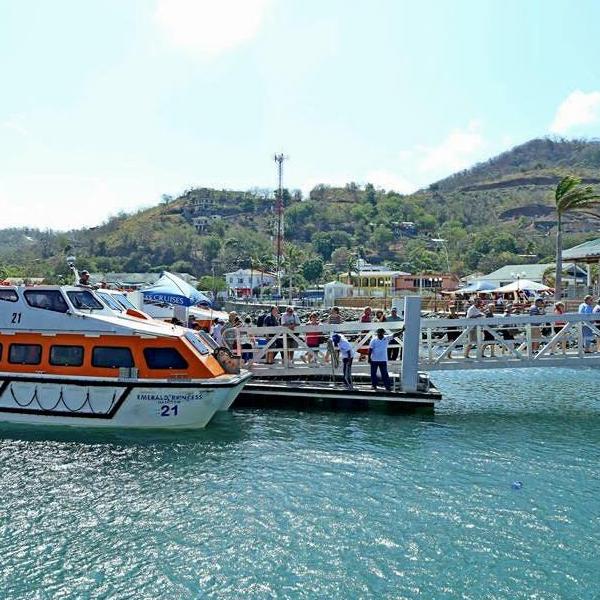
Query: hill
[498,212]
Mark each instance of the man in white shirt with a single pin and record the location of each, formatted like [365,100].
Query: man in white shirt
[216,331]
[347,354]
[473,312]
[291,320]
[378,357]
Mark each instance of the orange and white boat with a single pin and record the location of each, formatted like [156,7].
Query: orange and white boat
[67,359]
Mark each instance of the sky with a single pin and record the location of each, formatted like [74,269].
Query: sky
[106,105]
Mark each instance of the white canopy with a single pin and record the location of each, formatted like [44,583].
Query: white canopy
[522,284]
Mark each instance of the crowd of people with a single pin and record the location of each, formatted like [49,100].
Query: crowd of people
[479,309]
[312,347]
[316,347]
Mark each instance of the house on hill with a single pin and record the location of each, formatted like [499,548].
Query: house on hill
[242,282]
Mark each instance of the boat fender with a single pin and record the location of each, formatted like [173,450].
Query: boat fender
[227,359]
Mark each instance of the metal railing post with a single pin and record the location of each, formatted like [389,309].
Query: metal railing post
[412,339]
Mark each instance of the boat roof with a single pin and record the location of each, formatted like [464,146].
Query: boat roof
[80,320]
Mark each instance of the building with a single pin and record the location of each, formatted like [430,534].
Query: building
[378,281]
[426,282]
[509,273]
[334,290]
[242,282]
[372,281]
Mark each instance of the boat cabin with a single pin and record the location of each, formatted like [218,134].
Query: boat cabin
[68,331]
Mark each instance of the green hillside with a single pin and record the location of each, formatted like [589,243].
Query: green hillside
[495,213]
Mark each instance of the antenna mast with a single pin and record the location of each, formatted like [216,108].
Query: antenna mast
[279,158]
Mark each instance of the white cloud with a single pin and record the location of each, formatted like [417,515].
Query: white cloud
[390,181]
[578,108]
[457,151]
[210,27]
[16,126]
[64,200]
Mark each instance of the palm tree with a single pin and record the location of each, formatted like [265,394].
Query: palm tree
[265,263]
[569,195]
[293,257]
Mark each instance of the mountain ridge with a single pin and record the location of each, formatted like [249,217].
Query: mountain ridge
[490,214]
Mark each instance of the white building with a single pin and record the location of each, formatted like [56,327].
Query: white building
[243,281]
[334,290]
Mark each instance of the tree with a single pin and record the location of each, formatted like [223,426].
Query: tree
[569,195]
[312,269]
[208,282]
[370,196]
[323,244]
[339,258]
[293,258]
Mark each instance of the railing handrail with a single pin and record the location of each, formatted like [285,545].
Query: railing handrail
[347,326]
[510,320]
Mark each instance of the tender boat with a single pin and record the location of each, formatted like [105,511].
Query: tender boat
[67,358]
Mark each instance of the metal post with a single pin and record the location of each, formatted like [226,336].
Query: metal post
[411,343]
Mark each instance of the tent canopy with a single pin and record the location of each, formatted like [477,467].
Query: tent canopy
[170,289]
[483,285]
[522,285]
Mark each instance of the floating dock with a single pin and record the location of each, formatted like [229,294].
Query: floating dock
[290,392]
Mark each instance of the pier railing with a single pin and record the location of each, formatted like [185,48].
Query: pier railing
[280,349]
[509,341]
[495,342]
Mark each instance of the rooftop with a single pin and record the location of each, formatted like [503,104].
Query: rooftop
[533,272]
[586,251]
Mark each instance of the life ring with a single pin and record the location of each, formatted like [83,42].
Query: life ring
[227,359]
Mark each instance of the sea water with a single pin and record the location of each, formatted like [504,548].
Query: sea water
[496,495]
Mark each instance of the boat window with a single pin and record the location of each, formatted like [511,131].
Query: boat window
[196,342]
[164,358]
[46,299]
[108,300]
[83,299]
[207,340]
[8,295]
[111,357]
[124,301]
[66,356]
[25,354]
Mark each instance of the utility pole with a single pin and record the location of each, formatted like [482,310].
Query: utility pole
[279,158]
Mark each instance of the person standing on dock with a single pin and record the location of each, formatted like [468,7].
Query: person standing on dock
[272,320]
[335,318]
[347,354]
[587,308]
[473,312]
[378,357]
[394,349]
[290,320]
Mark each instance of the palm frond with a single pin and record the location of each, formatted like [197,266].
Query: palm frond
[569,195]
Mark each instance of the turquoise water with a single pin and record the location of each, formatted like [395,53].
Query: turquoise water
[319,505]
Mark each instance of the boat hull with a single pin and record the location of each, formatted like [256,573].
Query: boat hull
[122,403]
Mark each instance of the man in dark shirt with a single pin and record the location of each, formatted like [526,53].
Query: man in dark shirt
[272,320]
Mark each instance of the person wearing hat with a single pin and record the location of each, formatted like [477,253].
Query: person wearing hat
[84,278]
[347,354]
[378,357]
